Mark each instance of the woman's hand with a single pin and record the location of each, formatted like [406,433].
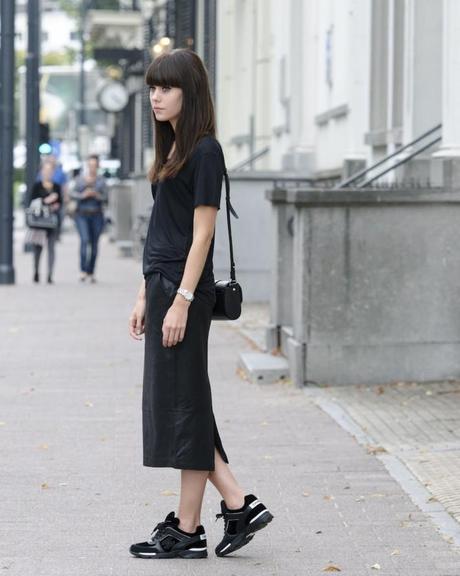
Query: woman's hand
[175,321]
[51,198]
[136,320]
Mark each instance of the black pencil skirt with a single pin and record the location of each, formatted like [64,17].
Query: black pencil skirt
[179,429]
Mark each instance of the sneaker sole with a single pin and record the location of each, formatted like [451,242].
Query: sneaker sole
[175,554]
[245,537]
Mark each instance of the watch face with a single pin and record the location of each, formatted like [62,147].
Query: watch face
[113,97]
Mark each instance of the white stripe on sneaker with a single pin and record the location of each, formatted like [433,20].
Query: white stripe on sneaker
[254,504]
[225,548]
[197,549]
[259,514]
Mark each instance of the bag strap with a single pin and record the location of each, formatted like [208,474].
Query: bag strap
[230,209]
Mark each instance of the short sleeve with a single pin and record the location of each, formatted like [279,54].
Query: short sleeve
[207,180]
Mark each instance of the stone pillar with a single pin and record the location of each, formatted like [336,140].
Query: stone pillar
[451,79]
[450,147]
[422,79]
[358,88]
[299,99]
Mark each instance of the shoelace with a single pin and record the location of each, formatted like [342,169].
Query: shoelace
[161,526]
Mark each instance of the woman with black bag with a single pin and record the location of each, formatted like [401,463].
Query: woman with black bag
[49,195]
[174,309]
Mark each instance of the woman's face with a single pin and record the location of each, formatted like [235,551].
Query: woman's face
[47,171]
[166,103]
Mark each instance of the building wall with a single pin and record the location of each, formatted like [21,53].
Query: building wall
[326,81]
[58,31]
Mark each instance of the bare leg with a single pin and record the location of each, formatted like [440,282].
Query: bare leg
[193,483]
[226,484]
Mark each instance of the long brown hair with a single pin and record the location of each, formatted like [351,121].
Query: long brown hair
[183,69]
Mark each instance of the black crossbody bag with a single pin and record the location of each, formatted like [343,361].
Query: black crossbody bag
[229,294]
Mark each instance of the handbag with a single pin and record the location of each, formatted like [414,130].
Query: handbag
[40,216]
[229,294]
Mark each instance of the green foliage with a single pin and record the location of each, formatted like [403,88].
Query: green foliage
[59,58]
[73,8]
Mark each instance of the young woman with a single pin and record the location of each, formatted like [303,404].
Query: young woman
[90,192]
[174,308]
[50,194]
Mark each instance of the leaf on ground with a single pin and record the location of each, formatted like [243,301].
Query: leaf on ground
[44,486]
[264,423]
[305,493]
[242,374]
[396,552]
[168,493]
[432,499]
[380,390]
[329,497]
[332,568]
[43,446]
[375,566]
[375,449]
[89,404]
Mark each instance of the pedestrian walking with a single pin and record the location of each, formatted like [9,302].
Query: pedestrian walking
[59,177]
[47,193]
[90,193]
[174,309]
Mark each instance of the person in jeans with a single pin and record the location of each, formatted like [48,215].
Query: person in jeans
[174,309]
[50,194]
[90,192]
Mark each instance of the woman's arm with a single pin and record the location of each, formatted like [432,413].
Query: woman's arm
[175,321]
[101,191]
[136,320]
[76,193]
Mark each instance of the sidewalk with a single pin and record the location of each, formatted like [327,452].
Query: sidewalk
[75,495]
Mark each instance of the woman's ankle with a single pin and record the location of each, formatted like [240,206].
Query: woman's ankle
[235,501]
[188,526]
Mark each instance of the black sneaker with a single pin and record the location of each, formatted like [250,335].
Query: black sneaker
[241,524]
[169,541]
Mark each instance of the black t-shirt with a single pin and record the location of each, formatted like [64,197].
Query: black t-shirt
[170,232]
[39,191]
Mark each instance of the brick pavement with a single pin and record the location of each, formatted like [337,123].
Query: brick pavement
[75,495]
[419,423]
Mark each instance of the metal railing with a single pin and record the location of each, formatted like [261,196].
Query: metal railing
[249,161]
[359,175]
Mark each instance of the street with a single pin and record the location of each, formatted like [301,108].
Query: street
[74,492]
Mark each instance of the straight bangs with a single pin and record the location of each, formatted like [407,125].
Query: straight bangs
[181,68]
[164,71]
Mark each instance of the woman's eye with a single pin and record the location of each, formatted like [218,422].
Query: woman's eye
[165,88]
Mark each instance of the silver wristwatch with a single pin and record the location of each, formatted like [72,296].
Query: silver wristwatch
[186,294]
